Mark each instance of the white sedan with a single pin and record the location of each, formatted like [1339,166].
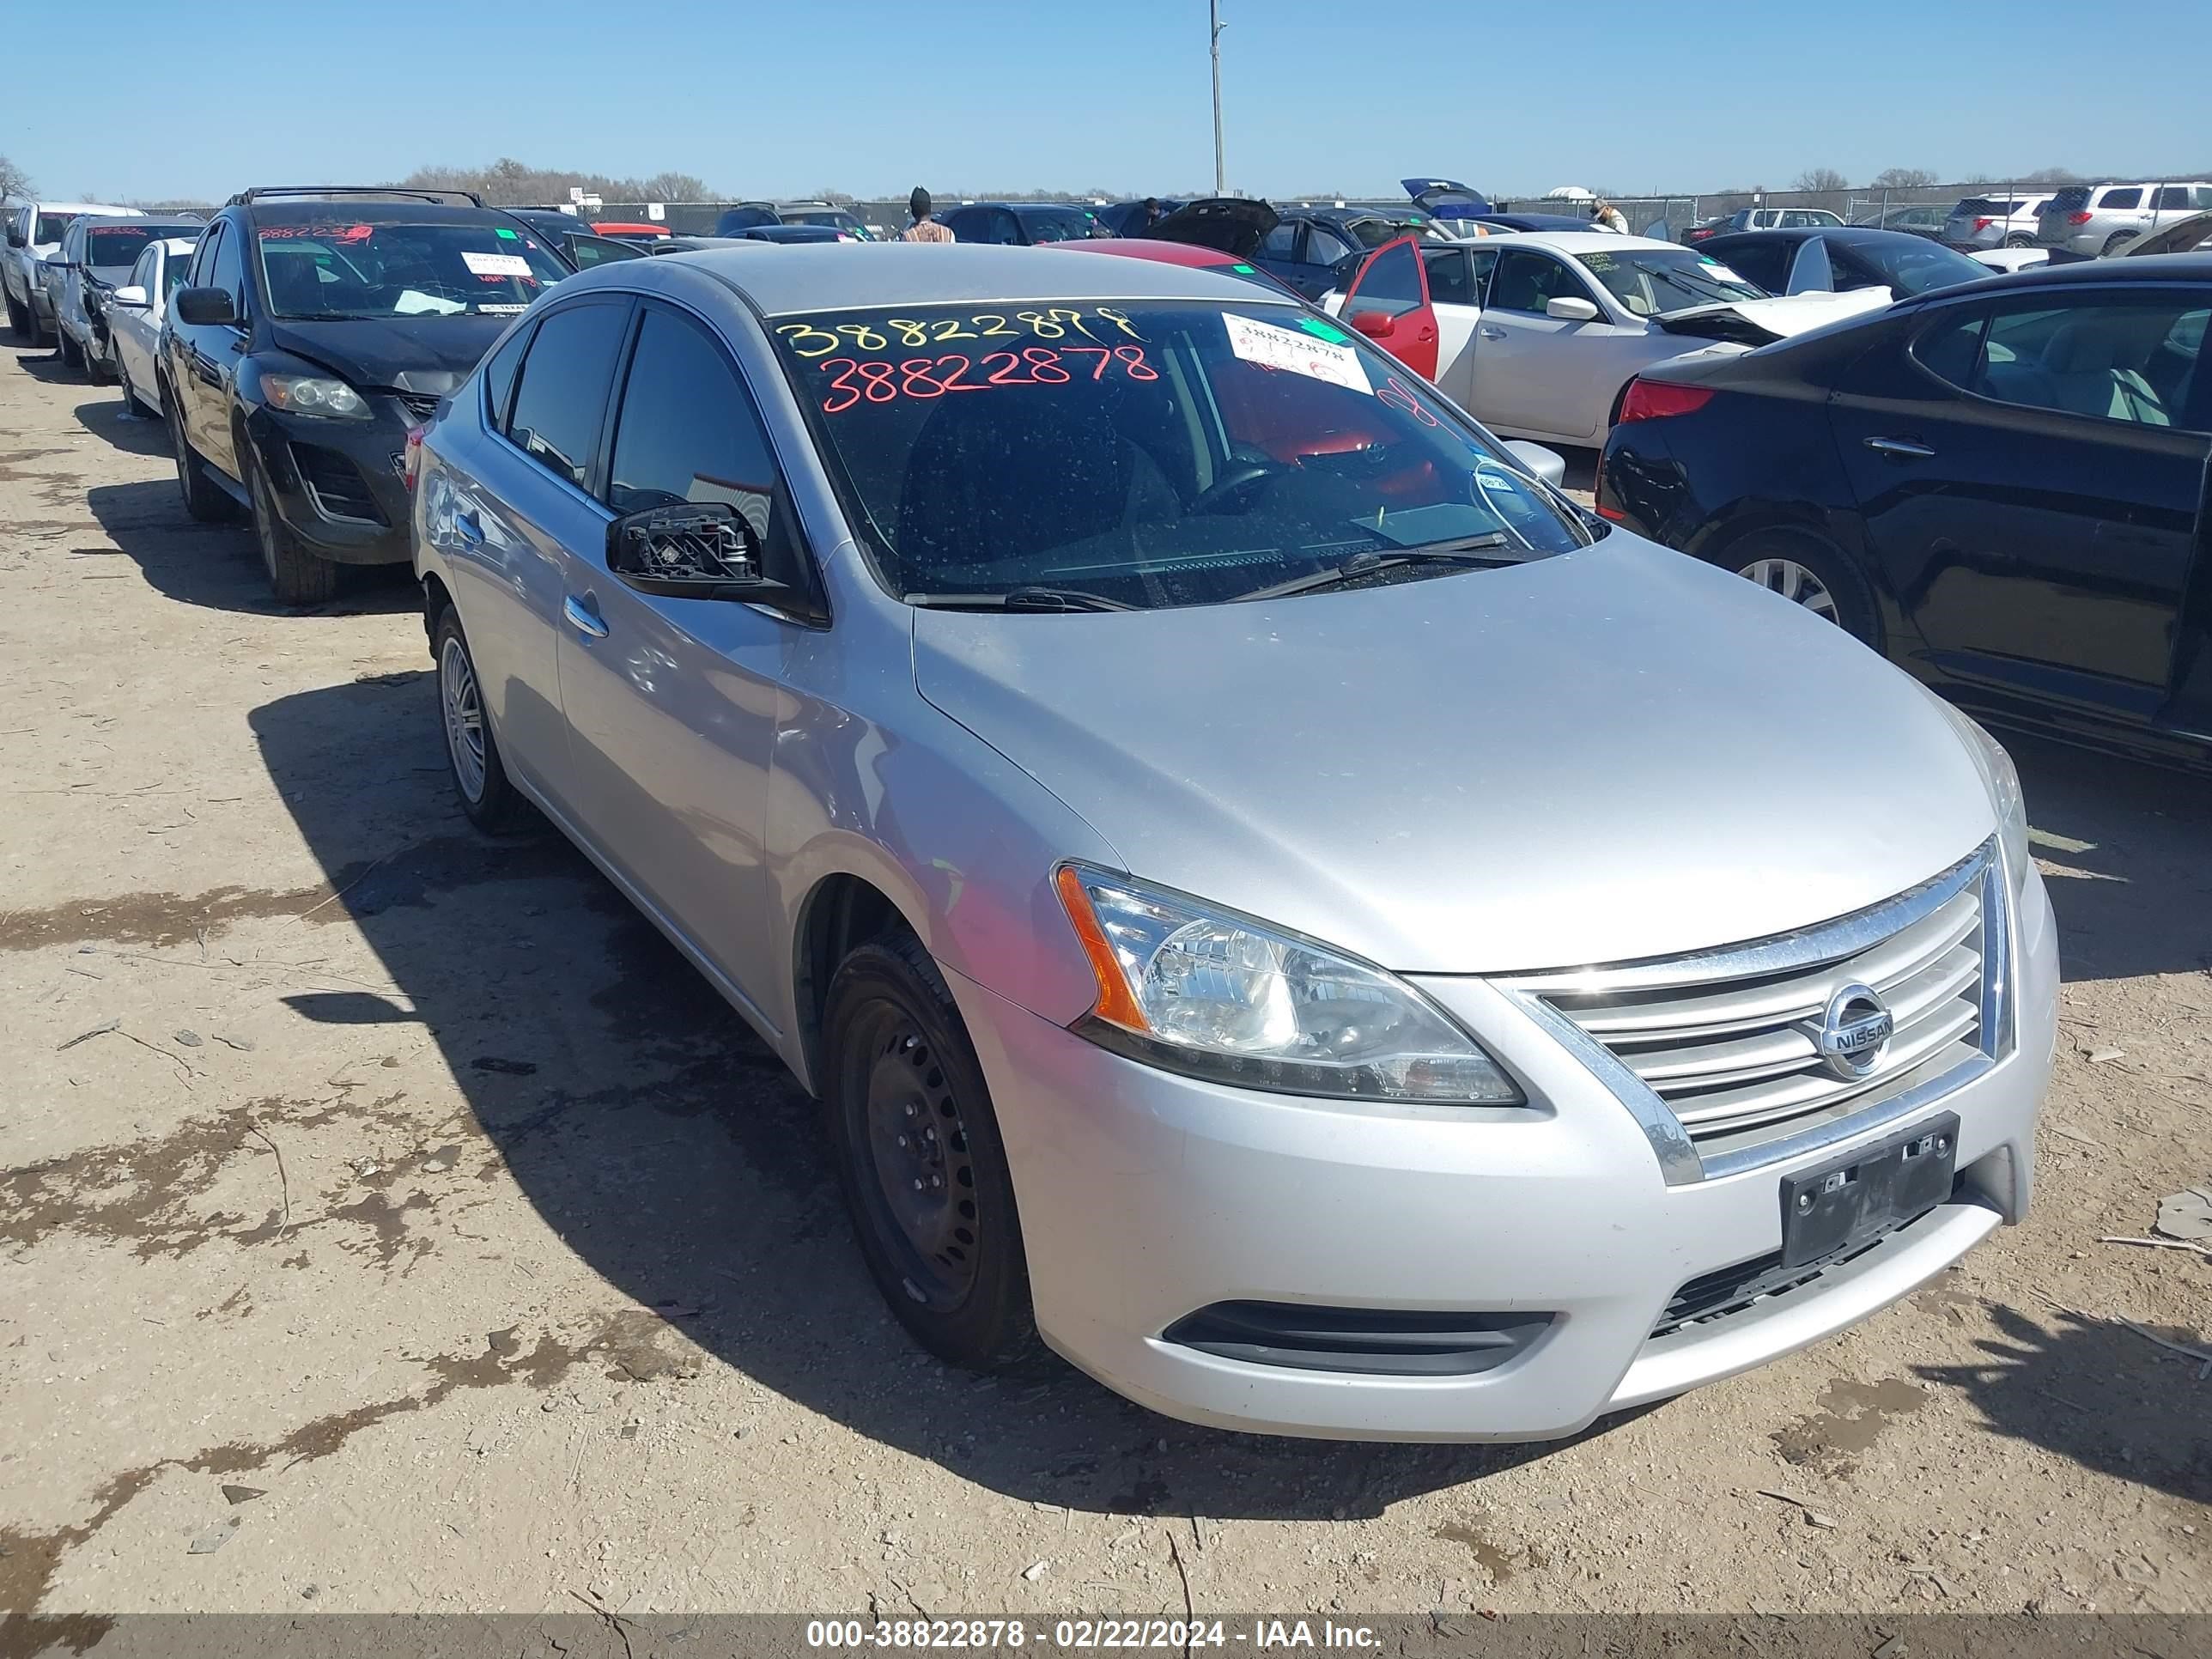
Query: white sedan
[135,310]
[1538,335]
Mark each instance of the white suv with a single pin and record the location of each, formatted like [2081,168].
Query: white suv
[1987,222]
[2098,219]
[34,230]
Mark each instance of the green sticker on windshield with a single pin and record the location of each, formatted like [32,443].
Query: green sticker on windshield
[1241,271]
[506,234]
[1314,325]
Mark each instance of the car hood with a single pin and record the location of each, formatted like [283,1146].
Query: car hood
[2180,237]
[1235,225]
[1775,319]
[428,355]
[1617,753]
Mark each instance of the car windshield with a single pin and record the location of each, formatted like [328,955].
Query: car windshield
[1058,224]
[1373,233]
[1652,282]
[121,245]
[1147,454]
[1923,265]
[445,268]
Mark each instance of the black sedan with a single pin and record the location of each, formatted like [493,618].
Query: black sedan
[1837,258]
[2001,486]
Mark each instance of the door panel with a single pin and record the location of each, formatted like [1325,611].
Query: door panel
[518,512]
[1543,375]
[673,703]
[1388,303]
[2035,544]
[1457,276]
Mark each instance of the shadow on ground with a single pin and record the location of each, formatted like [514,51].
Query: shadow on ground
[673,1153]
[2096,1393]
[130,430]
[217,565]
[2127,851]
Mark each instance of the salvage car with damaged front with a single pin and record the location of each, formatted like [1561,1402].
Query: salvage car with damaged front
[1276,904]
[313,328]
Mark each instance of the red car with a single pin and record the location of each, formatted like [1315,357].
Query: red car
[625,232]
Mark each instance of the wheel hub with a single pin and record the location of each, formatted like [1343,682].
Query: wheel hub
[920,1150]
[464,712]
[1793,582]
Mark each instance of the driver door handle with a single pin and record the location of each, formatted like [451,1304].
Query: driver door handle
[581,617]
[1490,333]
[1904,447]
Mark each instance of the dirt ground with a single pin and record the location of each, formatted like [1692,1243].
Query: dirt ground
[392,1221]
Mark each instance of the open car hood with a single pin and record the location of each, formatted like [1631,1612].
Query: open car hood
[2178,237]
[1762,322]
[1445,198]
[1235,225]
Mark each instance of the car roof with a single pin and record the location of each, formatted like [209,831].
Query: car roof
[180,244]
[841,276]
[1587,241]
[1148,247]
[366,210]
[105,209]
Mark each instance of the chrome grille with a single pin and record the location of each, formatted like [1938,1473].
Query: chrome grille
[1718,1053]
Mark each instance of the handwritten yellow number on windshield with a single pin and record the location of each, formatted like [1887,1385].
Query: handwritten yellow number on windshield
[801,336]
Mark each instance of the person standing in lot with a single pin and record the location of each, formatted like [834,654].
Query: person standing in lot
[1605,216]
[924,228]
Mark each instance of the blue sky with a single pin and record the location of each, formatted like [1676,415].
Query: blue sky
[872,97]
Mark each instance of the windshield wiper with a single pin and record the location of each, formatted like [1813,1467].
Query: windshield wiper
[1466,550]
[1019,599]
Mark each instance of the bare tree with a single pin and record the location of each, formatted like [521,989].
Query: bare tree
[13,181]
[677,187]
[509,183]
[2051,176]
[1817,181]
[1904,179]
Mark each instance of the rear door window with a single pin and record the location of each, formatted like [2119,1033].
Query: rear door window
[1449,276]
[2129,198]
[499,376]
[566,375]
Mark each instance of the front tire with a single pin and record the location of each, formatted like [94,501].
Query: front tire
[295,575]
[203,501]
[72,354]
[479,776]
[918,1155]
[19,320]
[1810,572]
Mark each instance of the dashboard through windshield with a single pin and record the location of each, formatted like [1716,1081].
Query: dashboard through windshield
[1148,453]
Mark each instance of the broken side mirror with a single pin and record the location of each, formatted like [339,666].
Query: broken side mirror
[691,550]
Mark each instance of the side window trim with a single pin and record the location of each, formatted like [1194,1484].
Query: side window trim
[496,419]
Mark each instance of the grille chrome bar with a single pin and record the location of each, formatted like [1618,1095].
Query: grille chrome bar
[1718,1054]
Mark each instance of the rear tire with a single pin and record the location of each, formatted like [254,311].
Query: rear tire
[2116,240]
[1810,572]
[479,776]
[19,320]
[296,576]
[918,1155]
[2019,239]
[100,369]
[203,501]
[72,355]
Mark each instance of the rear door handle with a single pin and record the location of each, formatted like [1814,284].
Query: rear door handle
[1904,447]
[581,617]
[1489,333]
[466,527]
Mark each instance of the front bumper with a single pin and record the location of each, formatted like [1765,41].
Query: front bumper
[337,483]
[1146,1196]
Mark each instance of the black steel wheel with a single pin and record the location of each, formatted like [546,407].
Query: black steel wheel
[920,1157]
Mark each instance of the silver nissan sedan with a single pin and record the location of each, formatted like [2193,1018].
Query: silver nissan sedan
[1276,904]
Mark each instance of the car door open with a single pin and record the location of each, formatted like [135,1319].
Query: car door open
[1388,303]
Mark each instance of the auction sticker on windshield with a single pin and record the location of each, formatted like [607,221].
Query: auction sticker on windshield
[1299,353]
[494,265]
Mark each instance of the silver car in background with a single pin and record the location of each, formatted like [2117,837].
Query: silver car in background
[2091,220]
[1981,223]
[1276,904]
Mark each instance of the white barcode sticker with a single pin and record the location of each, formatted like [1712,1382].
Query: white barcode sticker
[1297,352]
[494,265]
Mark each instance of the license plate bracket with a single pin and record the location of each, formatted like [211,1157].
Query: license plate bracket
[1865,1194]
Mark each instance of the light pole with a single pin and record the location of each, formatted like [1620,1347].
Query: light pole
[1220,173]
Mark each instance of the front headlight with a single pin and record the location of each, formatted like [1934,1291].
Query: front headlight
[314,394]
[2003,778]
[1223,997]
